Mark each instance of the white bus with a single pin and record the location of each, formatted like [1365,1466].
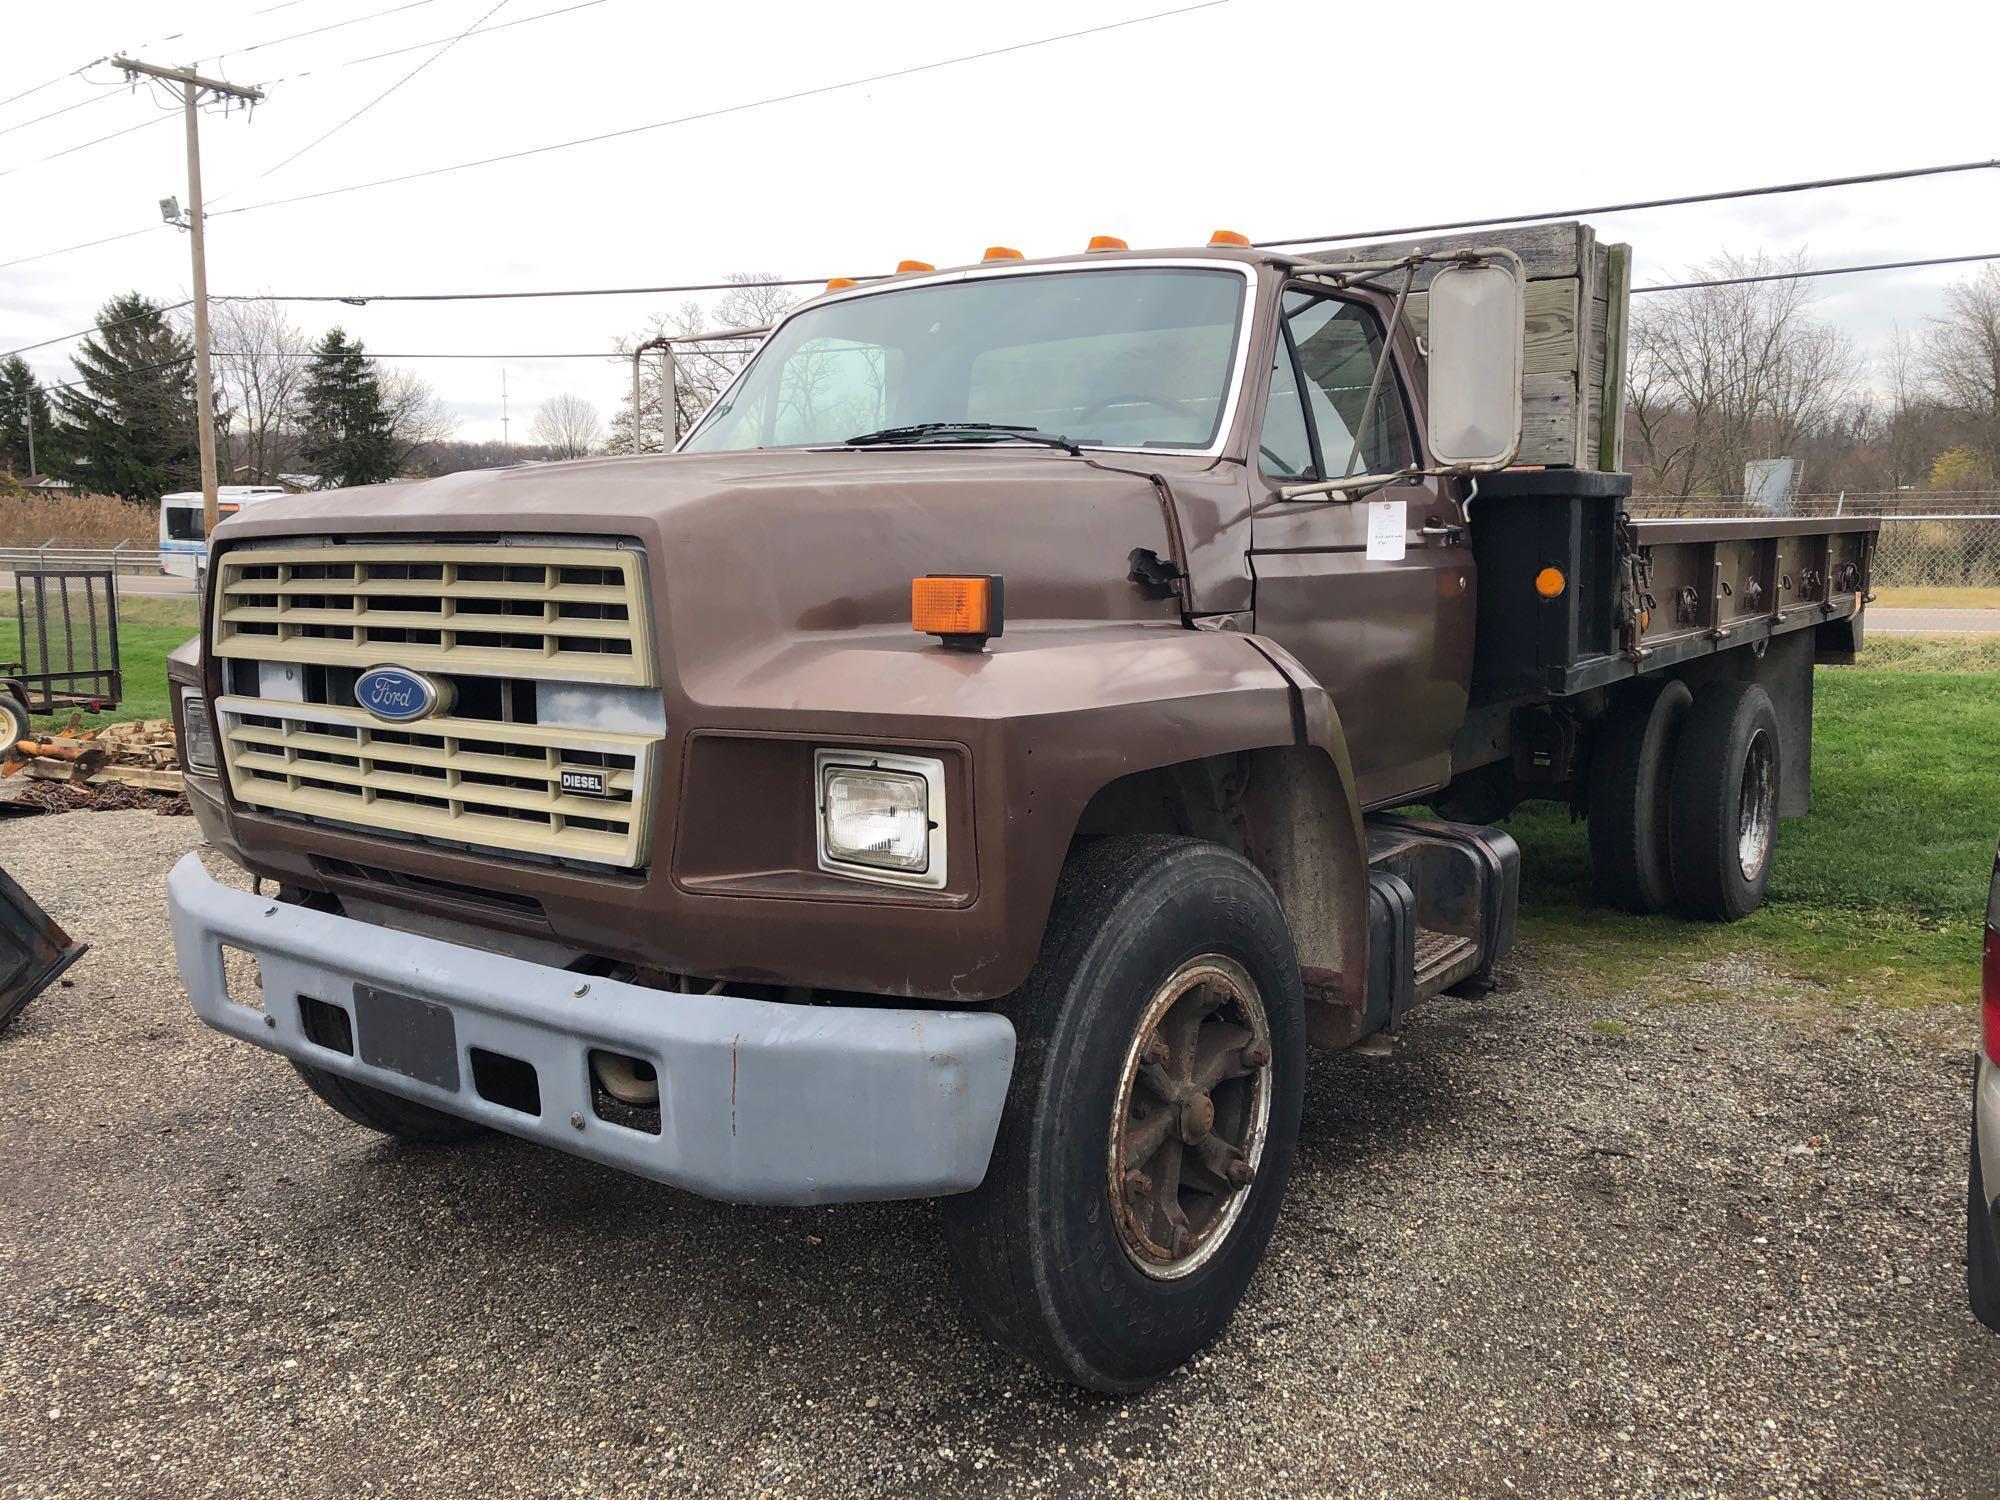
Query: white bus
[182,543]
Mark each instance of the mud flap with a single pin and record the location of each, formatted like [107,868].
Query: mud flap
[33,950]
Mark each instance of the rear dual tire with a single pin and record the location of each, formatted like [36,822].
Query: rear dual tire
[1682,800]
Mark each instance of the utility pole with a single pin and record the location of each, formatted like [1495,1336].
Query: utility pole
[193,86]
[505,440]
[28,414]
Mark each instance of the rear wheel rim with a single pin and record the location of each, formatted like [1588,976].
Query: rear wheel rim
[1756,806]
[1191,1117]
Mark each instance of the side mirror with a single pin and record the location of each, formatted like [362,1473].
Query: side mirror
[1477,330]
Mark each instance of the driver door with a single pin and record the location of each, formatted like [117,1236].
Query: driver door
[1389,638]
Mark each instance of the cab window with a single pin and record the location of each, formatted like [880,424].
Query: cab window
[1319,389]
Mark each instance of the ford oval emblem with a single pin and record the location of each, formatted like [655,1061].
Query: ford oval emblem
[398,694]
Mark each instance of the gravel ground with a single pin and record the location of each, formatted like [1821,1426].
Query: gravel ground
[1546,1246]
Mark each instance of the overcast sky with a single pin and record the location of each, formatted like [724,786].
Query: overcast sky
[1267,116]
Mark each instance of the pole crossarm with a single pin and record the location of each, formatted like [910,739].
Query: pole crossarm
[132,66]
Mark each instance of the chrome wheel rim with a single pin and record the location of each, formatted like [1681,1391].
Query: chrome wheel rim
[1756,806]
[1189,1123]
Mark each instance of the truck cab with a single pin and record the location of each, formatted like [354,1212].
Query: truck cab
[981,758]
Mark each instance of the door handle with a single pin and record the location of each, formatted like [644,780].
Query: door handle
[1446,536]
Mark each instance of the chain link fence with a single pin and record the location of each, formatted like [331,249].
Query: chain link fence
[1929,541]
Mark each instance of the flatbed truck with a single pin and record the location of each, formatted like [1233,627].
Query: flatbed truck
[1035,703]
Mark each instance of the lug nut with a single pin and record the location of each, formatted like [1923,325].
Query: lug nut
[1137,1181]
[1256,1055]
[1156,1051]
[1239,1172]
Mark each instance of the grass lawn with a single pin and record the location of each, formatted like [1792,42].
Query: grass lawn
[1953,598]
[149,626]
[1879,895]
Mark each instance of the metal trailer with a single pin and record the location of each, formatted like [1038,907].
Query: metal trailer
[68,620]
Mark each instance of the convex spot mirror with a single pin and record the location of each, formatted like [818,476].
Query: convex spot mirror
[1476,332]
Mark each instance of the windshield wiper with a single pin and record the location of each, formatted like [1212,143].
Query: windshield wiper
[993,431]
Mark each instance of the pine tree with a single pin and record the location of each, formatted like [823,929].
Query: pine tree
[344,424]
[128,427]
[24,406]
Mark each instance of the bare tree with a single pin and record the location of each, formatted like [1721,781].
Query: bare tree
[568,425]
[1961,358]
[1725,374]
[702,370]
[418,417]
[260,364]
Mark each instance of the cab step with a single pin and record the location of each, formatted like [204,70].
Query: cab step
[1442,899]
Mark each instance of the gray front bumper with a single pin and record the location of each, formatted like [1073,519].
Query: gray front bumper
[760,1102]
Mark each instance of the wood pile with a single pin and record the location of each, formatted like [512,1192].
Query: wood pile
[139,754]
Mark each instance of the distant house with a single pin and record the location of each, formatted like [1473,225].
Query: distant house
[46,483]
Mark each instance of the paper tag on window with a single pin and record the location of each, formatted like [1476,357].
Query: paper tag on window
[1387,522]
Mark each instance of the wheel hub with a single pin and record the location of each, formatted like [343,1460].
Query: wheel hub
[1188,1126]
[1756,807]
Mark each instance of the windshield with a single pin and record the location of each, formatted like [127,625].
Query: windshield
[1124,357]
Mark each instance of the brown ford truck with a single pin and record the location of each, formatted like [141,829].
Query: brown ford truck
[987,752]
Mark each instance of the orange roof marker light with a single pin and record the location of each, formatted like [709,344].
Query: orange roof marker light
[1001,252]
[1106,242]
[961,609]
[841,283]
[1229,237]
[905,267]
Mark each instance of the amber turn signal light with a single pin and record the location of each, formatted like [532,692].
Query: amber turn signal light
[1550,583]
[961,609]
[1001,252]
[841,283]
[1229,237]
[1107,242]
[904,267]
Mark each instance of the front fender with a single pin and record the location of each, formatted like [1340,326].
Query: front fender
[1049,715]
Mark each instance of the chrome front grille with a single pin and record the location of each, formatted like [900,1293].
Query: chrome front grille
[293,624]
[571,613]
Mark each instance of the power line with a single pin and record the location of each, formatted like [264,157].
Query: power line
[1896,175]
[636,129]
[279,41]
[362,299]
[476,31]
[724,286]
[728,109]
[321,139]
[50,83]
[66,109]
[103,327]
[1884,265]
[84,146]
[22,260]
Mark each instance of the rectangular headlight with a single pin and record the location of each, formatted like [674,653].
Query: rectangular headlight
[881,816]
[198,742]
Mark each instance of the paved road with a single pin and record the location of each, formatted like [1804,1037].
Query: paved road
[132,583]
[1702,1236]
[1885,621]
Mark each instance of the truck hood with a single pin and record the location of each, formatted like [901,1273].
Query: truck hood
[745,546]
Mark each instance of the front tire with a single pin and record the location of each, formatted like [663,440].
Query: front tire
[405,1119]
[1152,1119]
